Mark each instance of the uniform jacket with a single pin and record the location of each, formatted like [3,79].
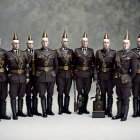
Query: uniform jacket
[64,60]
[84,60]
[46,59]
[106,60]
[17,62]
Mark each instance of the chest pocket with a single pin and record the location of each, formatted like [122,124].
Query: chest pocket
[109,58]
[126,61]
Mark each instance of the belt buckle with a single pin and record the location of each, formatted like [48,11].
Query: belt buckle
[66,67]
[84,68]
[19,71]
[46,69]
[1,70]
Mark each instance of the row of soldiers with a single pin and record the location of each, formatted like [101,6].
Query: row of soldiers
[32,72]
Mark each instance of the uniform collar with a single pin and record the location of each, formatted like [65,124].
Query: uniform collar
[106,50]
[44,48]
[84,48]
[16,51]
[30,50]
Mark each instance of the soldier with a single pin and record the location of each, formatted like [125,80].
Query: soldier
[64,74]
[136,82]
[17,76]
[3,85]
[125,70]
[84,60]
[30,86]
[104,68]
[46,68]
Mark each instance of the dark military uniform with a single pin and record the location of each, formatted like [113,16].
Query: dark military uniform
[31,87]
[125,70]
[46,67]
[136,85]
[84,60]
[104,68]
[64,77]
[3,85]
[17,74]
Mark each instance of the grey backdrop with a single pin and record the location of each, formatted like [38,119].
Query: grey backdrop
[76,16]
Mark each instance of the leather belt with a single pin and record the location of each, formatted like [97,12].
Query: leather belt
[45,68]
[83,68]
[105,69]
[17,71]
[1,70]
[118,75]
[64,67]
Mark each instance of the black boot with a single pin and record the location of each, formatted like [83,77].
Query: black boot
[20,107]
[29,104]
[34,107]
[80,104]
[103,99]
[3,111]
[135,107]
[60,104]
[49,106]
[66,105]
[80,112]
[109,106]
[125,112]
[119,111]
[139,107]
[85,104]
[13,106]
[43,104]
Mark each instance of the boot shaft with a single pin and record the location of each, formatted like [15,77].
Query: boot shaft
[13,105]
[2,108]
[43,104]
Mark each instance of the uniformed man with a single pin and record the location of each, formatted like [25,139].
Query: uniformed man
[84,60]
[17,76]
[30,86]
[3,85]
[64,74]
[104,68]
[136,82]
[125,70]
[46,68]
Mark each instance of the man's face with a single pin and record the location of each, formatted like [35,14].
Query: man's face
[126,44]
[106,43]
[30,45]
[84,42]
[138,42]
[45,42]
[15,45]
[64,42]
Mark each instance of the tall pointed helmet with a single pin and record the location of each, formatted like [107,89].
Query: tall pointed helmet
[106,35]
[64,34]
[44,34]
[126,36]
[84,35]
[30,39]
[15,38]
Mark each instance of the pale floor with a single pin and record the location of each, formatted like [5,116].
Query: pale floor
[70,127]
